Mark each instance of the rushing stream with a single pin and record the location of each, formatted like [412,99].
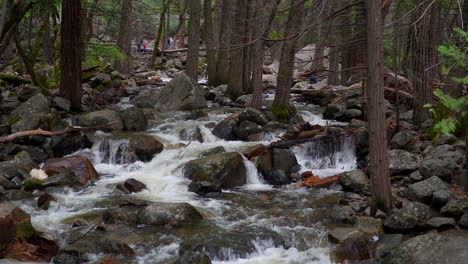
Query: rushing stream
[282,225]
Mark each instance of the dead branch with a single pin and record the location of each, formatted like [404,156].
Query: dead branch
[40,132]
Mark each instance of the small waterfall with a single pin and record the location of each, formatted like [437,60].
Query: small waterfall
[328,156]
[113,151]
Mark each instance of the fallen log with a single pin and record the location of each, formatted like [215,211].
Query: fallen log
[40,132]
[405,97]
[14,79]
[149,82]
[317,182]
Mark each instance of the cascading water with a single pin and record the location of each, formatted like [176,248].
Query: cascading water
[253,224]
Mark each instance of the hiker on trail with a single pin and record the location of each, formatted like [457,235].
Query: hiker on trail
[144,47]
[169,42]
[313,78]
[139,43]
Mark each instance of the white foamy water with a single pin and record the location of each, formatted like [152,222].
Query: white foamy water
[285,212]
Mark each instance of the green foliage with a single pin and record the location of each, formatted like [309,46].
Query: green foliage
[275,35]
[450,113]
[99,54]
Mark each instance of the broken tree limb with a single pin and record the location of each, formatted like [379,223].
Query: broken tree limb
[317,182]
[40,132]
[149,82]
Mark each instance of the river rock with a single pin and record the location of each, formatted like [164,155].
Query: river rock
[386,244]
[402,139]
[408,217]
[441,248]
[368,225]
[277,165]
[80,166]
[225,129]
[440,198]
[252,115]
[100,118]
[168,214]
[212,151]
[455,207]
[342,214]
[441,222]
[134,119]
[145,147]
[355,180]
[131,186]
[67,257]
[67,144]
[66,178]
[28,115]
[401,161]
[19,240]
[464,220]
[348,114]
[224,170]
[246,129]
[192,254]
[192,134]
[44,201]
[245,99]
[422,191]
[62,104]
[17,169]
[340,234]
[146,99]
[181,93]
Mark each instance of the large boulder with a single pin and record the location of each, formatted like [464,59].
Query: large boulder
[402,139]
[246,129]
[444,169]
[252,115]
[147,99]
[225,129]
[455,207]
[355,180]
[181,93]
[422,191]
[134,119]
[441,248]
[145,147]
[19,240]
[15,171]
[277,166]
[82,168]
[401,161]
[408,217]
[215,172]
[28,91]
[31,114]
[100,118]
[348,115]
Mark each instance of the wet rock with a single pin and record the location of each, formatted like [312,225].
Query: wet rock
[19,240]
[18,168]
[342,214]
[340,234]
[422,191]
[354,103]
[245,99]
[62,104]
[100,118]
[408,217]
[145,147]
[223,100]
[354,248]
[277,166]
[192,134]
[181,93]
[27,92]
[192,254]
[29,114]
[452,247]
[401,161]
[455,207]
[44,201]
[441,222]
[168,214]
[444,169]
[246,129]
[440,198]
[355,180]
[252,115]
[225,129]
[212,151]
[134,119]
[97,242]
[379,214]
[194,115]
[386,244]
[402,139]
[147,99]
[331,110]
[66,178]
[131,186]
[67,257]
[348,114]
[82,168]
[224,170]
[67,144]
[464,220]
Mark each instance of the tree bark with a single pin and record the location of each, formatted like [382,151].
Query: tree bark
[288,52]
[194,39]
[210,43]
[125,37]
[70,52]
[236,63]
[158,37]
[334,55]
[47,44]
[378,162]
[258,56]
[180,32]
[223,61]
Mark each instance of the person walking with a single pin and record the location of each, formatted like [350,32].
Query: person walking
[139,43]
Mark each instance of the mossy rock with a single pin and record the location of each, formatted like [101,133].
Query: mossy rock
[281,113]
[33,184]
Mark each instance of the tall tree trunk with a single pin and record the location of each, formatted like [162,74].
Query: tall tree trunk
[222,64]
[210,43]
[247,47]
[158,37]
[318,63]
[235,86]
[70,52]
[378,158]
[125,37]
[47,44]
[334,56]
[424,56]
[180,32]
[288,52]
[194,39]
[15,14]
[3,14]
[258,56]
